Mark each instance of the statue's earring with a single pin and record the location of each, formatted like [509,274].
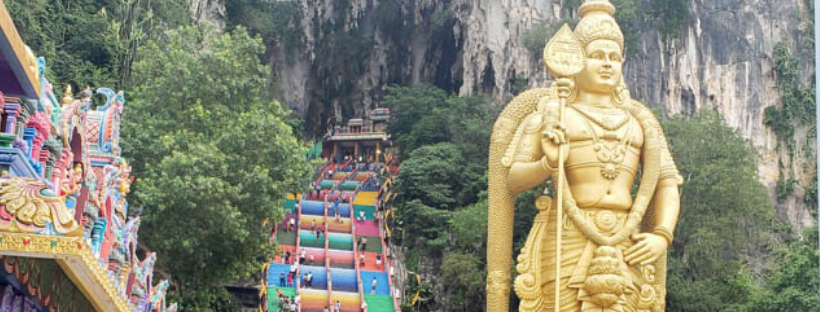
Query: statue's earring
[620,93]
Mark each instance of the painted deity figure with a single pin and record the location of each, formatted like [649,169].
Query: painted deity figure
[70,188]
[613,246]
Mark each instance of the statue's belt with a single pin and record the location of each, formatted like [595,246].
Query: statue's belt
[607,221]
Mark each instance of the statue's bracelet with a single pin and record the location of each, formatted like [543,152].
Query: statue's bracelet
[545,164]
[663,232]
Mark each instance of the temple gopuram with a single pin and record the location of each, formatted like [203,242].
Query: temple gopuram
[68,241]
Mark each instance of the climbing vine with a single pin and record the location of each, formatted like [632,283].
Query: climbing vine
[670,16]
[784,188]
[810,198]
[535,38]
[797,110]
[807,30]
[276,21]
[797,101]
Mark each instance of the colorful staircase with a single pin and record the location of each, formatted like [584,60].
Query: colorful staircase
[337,268]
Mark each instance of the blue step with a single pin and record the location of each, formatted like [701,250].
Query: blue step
[273,273]
[382,283]
[343,280]
[319,275]
[312,207]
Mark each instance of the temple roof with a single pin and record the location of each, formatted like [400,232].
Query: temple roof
[18,66]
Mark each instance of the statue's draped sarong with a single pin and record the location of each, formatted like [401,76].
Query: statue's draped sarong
[577,255]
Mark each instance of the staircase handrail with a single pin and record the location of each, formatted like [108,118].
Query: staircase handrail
[356,259]
[387,264]
[323,171]
[327,258]
[298,230]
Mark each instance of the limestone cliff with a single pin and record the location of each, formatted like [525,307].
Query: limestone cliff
[721,57]
[208,10]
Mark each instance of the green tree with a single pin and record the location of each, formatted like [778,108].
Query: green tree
[434,175]
[426,115]
[670,16]
[275,21]
[469,228]
[463,277]
[409,106]
[725,223]
[213,157]
[93,42]
[793,286]
[423,227]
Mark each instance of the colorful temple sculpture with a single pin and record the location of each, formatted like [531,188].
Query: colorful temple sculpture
[332,239]
[68,241]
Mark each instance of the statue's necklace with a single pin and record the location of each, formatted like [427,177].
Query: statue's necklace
[604,117]
[610,151]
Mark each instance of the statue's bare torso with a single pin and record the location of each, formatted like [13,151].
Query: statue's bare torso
[589,187]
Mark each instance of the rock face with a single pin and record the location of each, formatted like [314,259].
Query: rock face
[348,51]
[723,61]
[208,10]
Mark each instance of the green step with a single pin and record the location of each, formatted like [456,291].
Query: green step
[290,205]
[374,243]
[286,238]
[308,239]
[379,303]
[349,185]
[327,184]
[273,294]
[340,241]
[369,212]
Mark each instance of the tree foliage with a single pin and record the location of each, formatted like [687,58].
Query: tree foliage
[93,42]
[444,141]
[212,155]
[470,228]
[464,275]
[726,218]
[434,174]
[409,106]
[275,21]
[794,285]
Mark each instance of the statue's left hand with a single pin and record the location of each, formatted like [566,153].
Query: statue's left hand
[648,248]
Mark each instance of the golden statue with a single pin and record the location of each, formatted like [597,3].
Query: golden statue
[68,97]
[591,139]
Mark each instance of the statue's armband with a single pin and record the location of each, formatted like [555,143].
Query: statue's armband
[529,145]
[526,144]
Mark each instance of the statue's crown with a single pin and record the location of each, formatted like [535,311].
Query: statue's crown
[598,22]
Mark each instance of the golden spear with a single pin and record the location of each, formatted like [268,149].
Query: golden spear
[564,58]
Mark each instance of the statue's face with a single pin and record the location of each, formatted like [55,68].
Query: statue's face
[603,67]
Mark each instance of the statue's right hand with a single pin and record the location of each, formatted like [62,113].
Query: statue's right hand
[552,137]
